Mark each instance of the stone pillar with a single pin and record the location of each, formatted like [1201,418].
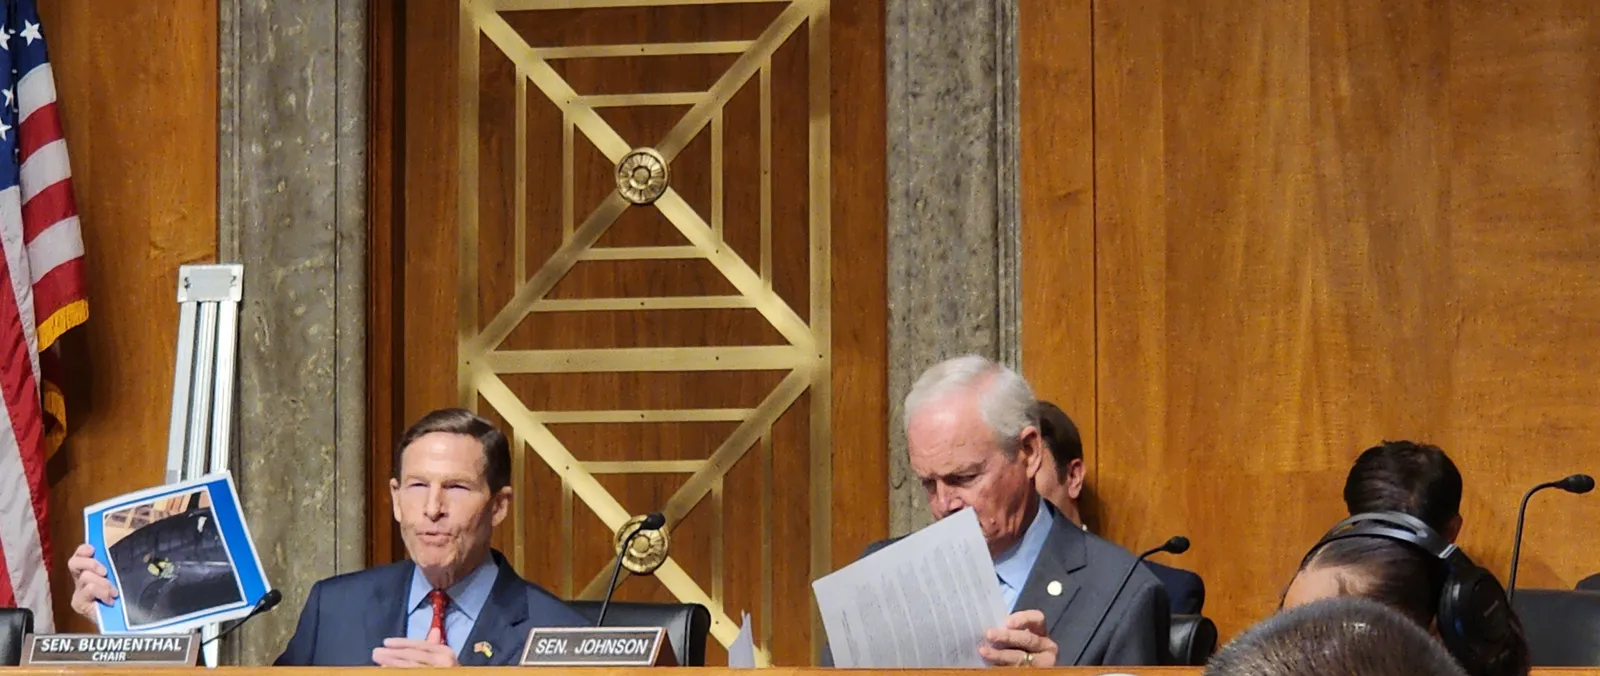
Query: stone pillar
[953,225]
[292,202]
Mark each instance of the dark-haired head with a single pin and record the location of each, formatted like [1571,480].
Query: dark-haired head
[1060,480]
[451,487]
[1334,636]
[1404,476]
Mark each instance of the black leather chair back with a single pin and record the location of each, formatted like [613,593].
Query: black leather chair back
[14,624]
[687,624]
[1591,583]
[1194,640]
[1562,627]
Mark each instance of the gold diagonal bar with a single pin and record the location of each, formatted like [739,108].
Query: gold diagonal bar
[768,485]
[529,5]
[467,200]
[556,89]
[655,416]
[658,303]
[549,448]
[644,466]
[717,526]
[737,444]
[648,49]
[641,253]
[746,281]
[729,84]
[642,99]
[545,279]
[648,359]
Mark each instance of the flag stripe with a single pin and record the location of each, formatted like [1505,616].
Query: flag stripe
[35,90]
[48,166]
[22,496]
[52,205]
[57,245]
[43,127]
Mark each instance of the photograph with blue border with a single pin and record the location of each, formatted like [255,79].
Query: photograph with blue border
[180,557]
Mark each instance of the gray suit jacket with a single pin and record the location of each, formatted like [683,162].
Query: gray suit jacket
[1136,631]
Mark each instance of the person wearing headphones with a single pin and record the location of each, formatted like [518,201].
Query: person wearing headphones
[1396,559]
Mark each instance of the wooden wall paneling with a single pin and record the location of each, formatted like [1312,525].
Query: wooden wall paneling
[1058,227]
[139,117]
[385,262]
[1322,225]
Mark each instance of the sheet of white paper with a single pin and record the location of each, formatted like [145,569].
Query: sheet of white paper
[924,601]
[742,652]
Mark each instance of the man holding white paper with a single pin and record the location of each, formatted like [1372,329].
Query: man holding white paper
[976,448]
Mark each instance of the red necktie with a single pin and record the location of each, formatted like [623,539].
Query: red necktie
[440,601]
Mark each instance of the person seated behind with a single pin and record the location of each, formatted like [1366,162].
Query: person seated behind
[1405,476]
[451,487]
[1334,636]
[973,442]
[1061,481]
[1400,562]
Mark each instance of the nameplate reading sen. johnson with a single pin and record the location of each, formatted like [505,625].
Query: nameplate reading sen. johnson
[597,647]
[111,649]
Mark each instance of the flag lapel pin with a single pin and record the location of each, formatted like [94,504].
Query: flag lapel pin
[483,648]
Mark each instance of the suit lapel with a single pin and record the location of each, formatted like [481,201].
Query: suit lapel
[1063,555]
[389,595]
[501,623]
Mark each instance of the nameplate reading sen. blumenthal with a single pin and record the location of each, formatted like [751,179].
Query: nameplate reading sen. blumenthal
[111,649]
[598,647]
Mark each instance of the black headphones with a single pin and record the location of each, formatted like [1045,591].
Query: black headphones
[1475,620]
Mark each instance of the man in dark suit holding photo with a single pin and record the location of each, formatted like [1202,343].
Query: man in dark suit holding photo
[455,601]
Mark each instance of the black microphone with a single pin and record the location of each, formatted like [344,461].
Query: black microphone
[653,521]
[1577,483]
[267,602]
[1176,544]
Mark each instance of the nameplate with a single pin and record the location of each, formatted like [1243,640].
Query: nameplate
[111,649]
[598,647]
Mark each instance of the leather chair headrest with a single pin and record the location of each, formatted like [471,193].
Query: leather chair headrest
[1194,639]
[14,624]
[687,624]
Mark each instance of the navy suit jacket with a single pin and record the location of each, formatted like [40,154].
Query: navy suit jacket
[347,616]
[1186,590]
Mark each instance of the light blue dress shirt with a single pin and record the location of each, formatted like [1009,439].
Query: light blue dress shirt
[467,597]
[1015,564]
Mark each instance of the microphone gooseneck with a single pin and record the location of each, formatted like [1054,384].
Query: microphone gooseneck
[1176,544]
[651,522]
[1577,483]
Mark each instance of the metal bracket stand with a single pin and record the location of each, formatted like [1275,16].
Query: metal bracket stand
[199,441]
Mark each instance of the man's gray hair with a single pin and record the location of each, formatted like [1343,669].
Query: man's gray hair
[1005,400]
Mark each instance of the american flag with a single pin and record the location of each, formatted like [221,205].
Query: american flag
[43,299]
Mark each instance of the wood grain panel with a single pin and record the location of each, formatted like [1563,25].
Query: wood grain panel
[1057,198]
[1323,224]
[140,117]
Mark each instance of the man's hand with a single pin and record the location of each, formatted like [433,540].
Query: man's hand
[1022,642]
[409,652]
[89,583]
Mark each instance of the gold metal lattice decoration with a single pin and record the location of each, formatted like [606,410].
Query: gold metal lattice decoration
[643,181]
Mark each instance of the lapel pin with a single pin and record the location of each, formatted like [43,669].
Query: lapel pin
[484,648]
[1054,588]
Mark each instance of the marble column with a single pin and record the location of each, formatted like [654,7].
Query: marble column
[292,202]
[953,225]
